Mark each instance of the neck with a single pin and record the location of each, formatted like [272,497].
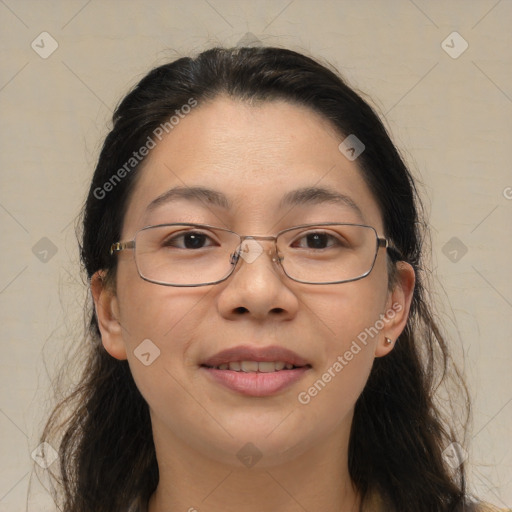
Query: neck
[315,479]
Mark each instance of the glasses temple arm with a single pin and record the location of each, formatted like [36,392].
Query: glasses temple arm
[391,248]
[121,246]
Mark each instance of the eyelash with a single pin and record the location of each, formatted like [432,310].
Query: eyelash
[171,240]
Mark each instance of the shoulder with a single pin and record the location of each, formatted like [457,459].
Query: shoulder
[482,507]
[486,507]
[376,503]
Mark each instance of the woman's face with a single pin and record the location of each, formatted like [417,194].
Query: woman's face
[253,156]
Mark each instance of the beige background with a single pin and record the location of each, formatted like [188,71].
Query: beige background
[451,117]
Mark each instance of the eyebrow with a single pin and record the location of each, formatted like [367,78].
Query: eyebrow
[299,197]
[318,195]
[197,194]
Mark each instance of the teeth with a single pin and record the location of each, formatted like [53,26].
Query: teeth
[255,366]
[267,367]
[249,366]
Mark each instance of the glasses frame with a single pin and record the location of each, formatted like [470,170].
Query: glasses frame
[384,242]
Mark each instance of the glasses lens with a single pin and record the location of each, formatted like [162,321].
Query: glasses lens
[184,254]
[329,253]
[192,255]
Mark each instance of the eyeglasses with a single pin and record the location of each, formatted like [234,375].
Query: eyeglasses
[199,255]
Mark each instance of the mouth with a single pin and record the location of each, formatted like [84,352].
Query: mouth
[255,371]
[255,366]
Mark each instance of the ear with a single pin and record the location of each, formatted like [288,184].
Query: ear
[398,305]
[107,314]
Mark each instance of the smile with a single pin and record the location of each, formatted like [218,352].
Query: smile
[255,370]
[255,366]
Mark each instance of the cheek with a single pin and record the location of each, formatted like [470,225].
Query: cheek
[347,310]
[163,314]
[348,320]
[158,325]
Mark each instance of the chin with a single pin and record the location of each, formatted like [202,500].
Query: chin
[264,447]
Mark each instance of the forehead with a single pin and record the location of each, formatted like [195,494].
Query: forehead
[254,155]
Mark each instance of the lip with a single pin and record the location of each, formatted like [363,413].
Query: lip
[248,353]
[257,384]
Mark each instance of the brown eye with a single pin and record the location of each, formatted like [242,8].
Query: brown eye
[188,240]
[316,240]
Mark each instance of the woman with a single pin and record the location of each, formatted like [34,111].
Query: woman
[260,337]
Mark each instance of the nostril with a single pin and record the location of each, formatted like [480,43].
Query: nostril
[240,310]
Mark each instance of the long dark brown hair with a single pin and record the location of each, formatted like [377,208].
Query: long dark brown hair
[400,428]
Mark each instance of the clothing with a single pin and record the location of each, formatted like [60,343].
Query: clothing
[375,504]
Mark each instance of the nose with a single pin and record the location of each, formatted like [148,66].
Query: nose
[258,287]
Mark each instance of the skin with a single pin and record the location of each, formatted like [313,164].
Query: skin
[254,154]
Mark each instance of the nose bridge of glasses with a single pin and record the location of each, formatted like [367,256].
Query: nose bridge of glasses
[258,237]
[251,247]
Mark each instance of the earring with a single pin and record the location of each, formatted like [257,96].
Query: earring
[389,341]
